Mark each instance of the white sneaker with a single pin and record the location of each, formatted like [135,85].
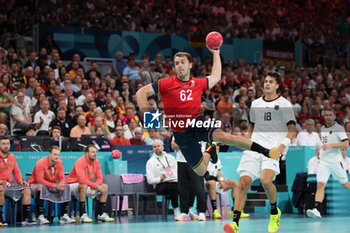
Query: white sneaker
[66,219]
[176,213]
[313,213]
[201,217]
[28,222]
[105,218]
[192,215]
[182,217]
[85,219]
[42,220]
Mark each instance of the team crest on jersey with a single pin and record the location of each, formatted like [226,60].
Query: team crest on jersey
[277,107]
[192,83]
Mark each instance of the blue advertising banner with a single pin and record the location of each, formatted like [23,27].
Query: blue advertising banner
[136,156]
[104,44]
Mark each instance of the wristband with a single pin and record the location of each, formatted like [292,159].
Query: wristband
[286,142]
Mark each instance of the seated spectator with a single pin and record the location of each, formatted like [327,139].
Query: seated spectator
[56,131]
[85,169]
[101,98]
[99,123]
[48,173]
[20,113]
[109,121]
[62,121]
[137,139]
[224,106]
[94,68]
[43,118]
[6,101]
[118,65]
[149,74]
[119,138]
[3,129]
[308,137]
[130,133]
[161,171]
[90,112]
[80,129]
[153,136]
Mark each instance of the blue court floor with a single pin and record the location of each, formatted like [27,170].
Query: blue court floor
[290,223]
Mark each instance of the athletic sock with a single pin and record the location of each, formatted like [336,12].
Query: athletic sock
[213,204]
[82,208]
[236,216]
[26,209]
[65,208]
[317,205]
[40,204]
[103,208]
[273,210]
[260,149]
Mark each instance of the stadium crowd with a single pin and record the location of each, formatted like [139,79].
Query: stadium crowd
[40,91]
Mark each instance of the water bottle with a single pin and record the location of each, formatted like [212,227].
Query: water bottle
[77,219]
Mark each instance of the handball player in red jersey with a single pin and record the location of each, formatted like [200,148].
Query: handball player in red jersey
[181,96]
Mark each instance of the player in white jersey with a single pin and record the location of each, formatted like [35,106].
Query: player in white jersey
[272,125]
[334,139]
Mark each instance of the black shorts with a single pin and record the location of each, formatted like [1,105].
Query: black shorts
[189,143]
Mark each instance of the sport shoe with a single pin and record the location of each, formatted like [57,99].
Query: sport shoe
[2,221]
[176,213]
[243,215]
[211,149]
[85,219]
[313,213]
[274,224]
[192,215]
[182,217]
[28,222]
[216,215]
[42,220]
[231,227]
[66,219]
[201,217]
[105,218]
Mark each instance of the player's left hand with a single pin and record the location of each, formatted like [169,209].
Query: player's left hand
[326,146]
[213,51]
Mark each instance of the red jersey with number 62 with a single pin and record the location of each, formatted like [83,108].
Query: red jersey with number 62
[181,100]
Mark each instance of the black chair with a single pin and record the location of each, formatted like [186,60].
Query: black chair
[114,183]
[138,190]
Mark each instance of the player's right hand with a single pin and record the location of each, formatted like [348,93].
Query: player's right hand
[60,186]
[318,152]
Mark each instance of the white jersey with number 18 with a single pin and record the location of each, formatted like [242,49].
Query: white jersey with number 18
[270,119]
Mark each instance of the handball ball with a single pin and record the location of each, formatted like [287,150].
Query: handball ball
[116,154]
[214,40]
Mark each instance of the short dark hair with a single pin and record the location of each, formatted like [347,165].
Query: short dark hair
[31,127]
[274,74]
[330,110]
[54,148]
[56,127]
[5,137]
[87,149]
[184,54]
